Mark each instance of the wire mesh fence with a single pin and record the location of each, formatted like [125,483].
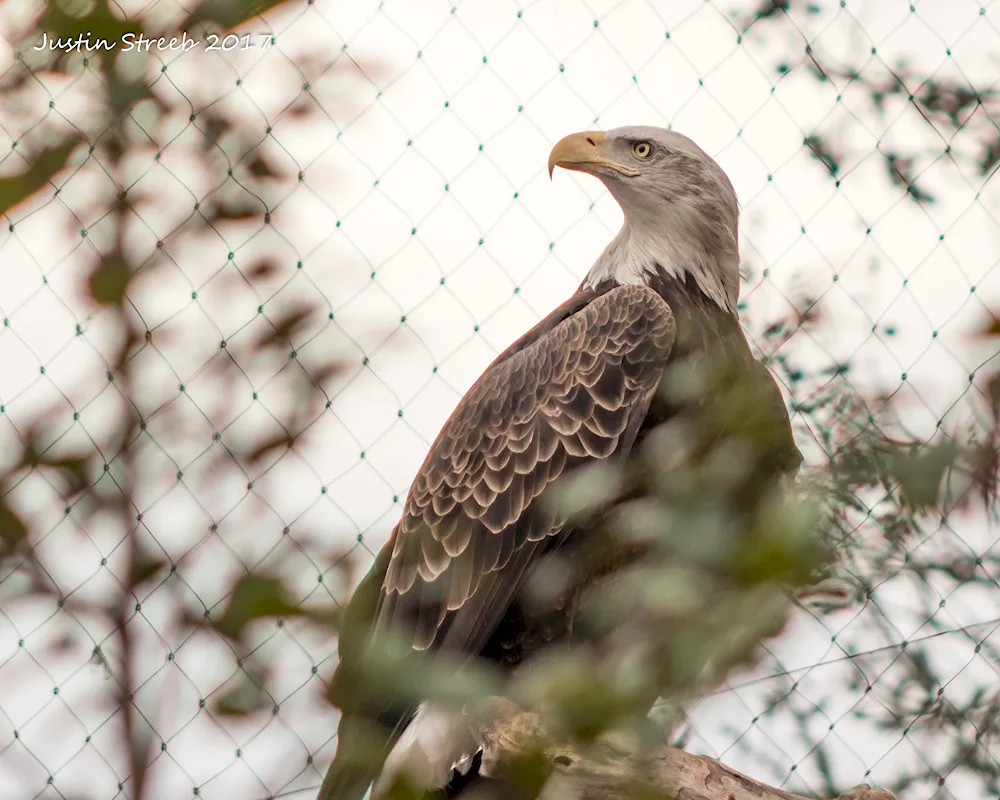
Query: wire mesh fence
[412,235]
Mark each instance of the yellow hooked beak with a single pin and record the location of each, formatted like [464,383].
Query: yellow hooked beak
[584,152]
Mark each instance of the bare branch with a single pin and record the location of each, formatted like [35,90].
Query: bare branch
[617,766]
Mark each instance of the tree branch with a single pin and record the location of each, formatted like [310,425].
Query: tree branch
[615,767]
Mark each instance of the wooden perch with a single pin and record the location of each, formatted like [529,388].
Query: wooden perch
[612,768]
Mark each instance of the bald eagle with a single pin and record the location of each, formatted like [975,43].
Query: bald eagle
[581,386]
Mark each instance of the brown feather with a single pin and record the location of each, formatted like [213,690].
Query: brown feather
[473,522]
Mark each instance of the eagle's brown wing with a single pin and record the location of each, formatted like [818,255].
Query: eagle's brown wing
[473,521]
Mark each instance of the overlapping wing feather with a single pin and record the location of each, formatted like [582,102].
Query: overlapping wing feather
[473,522]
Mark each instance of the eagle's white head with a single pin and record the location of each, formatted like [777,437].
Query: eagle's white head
[681,211]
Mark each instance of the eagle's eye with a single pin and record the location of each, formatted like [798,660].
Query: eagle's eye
[642,149]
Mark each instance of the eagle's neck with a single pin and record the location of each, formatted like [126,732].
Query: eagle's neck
[639,250]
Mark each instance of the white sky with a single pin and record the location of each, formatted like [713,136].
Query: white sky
[425,196]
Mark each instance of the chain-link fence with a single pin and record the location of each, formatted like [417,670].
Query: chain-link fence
[417,226]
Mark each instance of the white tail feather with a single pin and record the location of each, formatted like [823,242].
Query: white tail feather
[436,743]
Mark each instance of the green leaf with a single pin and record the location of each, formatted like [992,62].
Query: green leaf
[268,446]
[286,326]
[100,23]
[993,392]
[229,13]
[73,468]
[12,530]
[144,567]
[993,329]
[109,282]
[919,471]
[254,597]
[388,674]
[17,188]
[244,698]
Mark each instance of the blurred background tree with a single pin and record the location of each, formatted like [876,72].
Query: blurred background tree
[108,583]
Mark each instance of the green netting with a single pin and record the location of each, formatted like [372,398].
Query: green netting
[419,225]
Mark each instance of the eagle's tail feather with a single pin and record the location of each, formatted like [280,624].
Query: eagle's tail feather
[345,782]
[362,746]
